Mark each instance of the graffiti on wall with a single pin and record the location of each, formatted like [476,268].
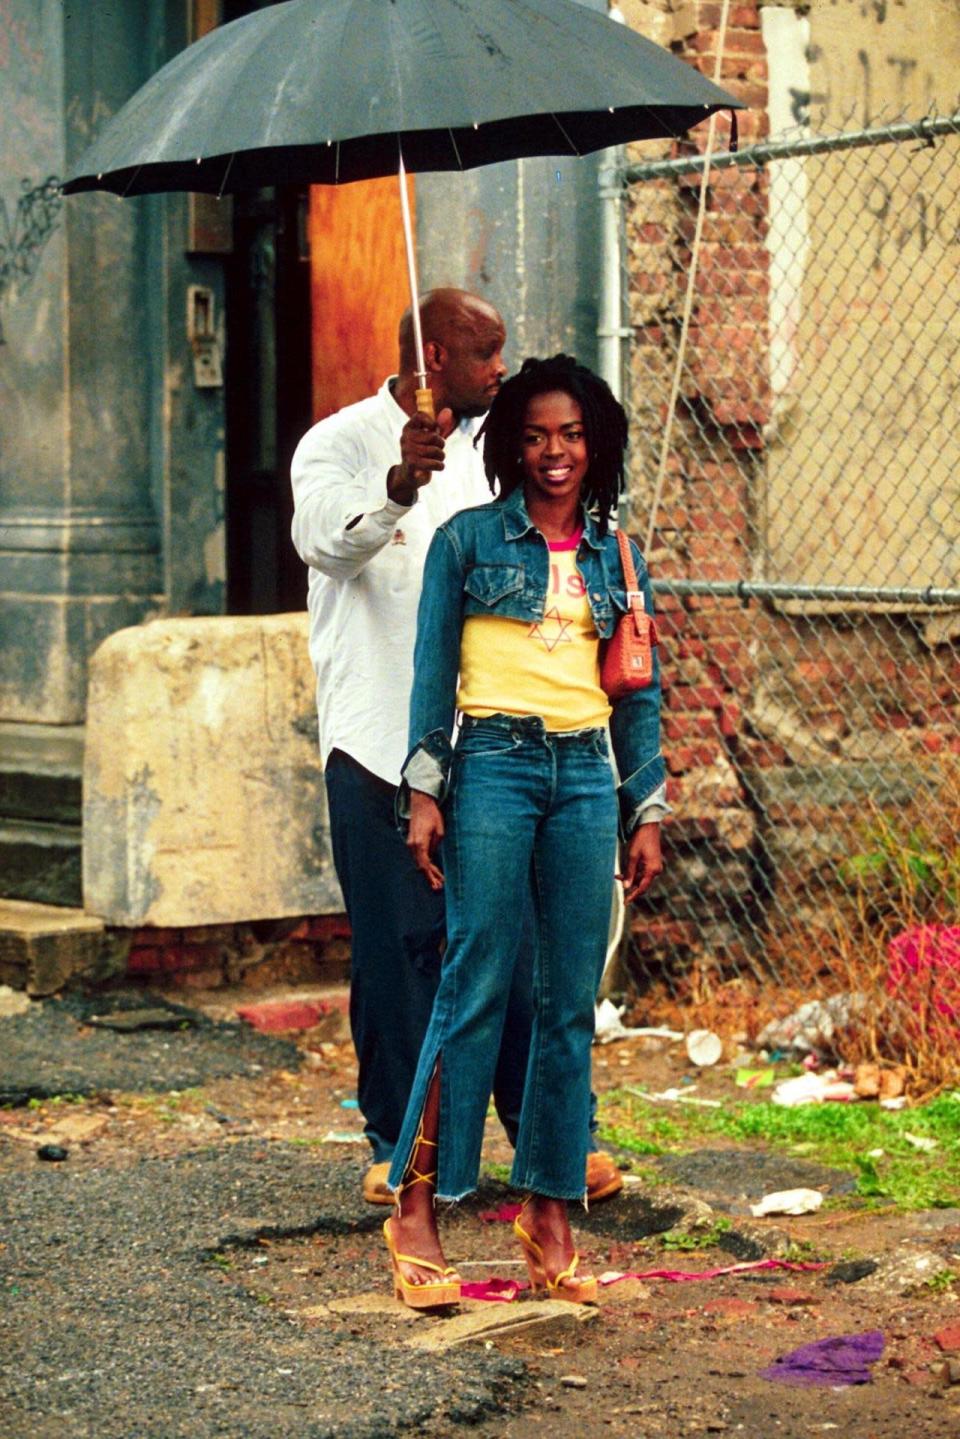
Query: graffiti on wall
[25,233]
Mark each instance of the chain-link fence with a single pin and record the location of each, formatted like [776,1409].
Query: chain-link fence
[802,525]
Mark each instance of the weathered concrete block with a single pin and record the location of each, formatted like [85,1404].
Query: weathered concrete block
[203,793]
[42,946]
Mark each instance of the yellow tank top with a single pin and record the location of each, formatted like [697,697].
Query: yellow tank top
[550,669]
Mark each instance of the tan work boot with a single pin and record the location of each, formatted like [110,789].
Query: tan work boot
[375,1187]
[604,1179]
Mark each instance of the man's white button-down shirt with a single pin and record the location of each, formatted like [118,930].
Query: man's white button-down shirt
[366,557]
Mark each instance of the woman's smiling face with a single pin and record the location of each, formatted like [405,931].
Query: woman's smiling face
[553,447]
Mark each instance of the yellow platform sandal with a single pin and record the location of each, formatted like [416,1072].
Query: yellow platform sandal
[431,1293]
[564,1285]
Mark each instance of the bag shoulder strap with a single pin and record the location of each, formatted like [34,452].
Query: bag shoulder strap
[626,559]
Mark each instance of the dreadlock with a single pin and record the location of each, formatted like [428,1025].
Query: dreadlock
[604,422]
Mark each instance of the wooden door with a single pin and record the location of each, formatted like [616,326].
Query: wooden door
[358,288]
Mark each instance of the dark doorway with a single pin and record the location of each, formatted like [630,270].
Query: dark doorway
[268,389]
[268,398]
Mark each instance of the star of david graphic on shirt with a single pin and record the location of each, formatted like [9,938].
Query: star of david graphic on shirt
[553,630]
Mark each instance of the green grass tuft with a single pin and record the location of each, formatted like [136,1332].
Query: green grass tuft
[842,1136]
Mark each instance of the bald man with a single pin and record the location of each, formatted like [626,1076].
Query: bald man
[371,485]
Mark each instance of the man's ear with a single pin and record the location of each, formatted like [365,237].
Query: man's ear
[434,356]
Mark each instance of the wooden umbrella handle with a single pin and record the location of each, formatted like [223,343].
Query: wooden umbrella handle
[425,403]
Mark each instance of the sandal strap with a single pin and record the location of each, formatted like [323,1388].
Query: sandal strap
[568,1273]
[422,1263]
[418,1178]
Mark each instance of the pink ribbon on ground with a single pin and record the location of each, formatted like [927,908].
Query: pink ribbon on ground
[506,1290]
[677,1276]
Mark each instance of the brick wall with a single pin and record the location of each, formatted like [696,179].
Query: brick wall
[310,950]
[778,727]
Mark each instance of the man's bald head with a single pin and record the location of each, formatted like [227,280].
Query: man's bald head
[445,314]
[463,336]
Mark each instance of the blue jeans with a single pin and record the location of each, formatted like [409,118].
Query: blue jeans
[524,804]
[398,938]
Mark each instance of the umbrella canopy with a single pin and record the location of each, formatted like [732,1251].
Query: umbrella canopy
[328,91]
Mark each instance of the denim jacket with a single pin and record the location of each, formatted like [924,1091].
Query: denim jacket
[492,560]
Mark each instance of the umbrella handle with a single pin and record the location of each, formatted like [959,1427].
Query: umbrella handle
[425,403]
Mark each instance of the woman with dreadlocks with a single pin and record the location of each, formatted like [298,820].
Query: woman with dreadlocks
[517,597]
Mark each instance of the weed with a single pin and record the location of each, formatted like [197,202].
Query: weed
[691,1239]
[220,1260]
[943,1281]
[497,1171]
[53,1101]
[801,1251]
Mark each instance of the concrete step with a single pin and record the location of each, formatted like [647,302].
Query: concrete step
[43,947]
[41,769]
[41,862]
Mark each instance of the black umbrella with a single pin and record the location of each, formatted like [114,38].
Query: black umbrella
[328,91]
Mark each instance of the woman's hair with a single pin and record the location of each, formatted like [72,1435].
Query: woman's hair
[604,422]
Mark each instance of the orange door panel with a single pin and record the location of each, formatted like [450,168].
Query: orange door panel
[359,289]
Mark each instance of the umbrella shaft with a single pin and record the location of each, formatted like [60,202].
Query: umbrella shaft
[421,370]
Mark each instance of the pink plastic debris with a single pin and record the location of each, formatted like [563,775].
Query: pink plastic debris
[924,968]
[504,1290]
[506,1214]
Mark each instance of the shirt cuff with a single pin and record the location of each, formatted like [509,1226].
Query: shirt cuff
[425,773]
[651,810]
[427,768]
[383,518]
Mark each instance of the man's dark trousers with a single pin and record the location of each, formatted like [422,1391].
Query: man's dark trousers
[398,931]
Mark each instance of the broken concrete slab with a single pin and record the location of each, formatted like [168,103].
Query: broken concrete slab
[203,796]
[13,1001]
[43,947]
[126,1021]
[375,1302]
[905,1271]
[546,1319]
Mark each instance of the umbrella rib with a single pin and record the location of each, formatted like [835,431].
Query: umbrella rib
[132,181]
[226,175]
[556,120]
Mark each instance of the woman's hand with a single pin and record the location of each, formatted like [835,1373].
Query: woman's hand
[425,833]
[642,861]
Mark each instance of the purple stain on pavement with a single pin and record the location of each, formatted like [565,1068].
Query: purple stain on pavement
[843,1359]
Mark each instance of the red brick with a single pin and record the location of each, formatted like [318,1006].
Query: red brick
[281,1015]
[325,927]
[732,677]
[170,958]
[791,1296]
[696,697]
[677,727]
[710,15]
[731,718]
[731,1308]
[156,937]
[145,959]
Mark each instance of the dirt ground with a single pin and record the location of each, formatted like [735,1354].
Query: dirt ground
[655,1358]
